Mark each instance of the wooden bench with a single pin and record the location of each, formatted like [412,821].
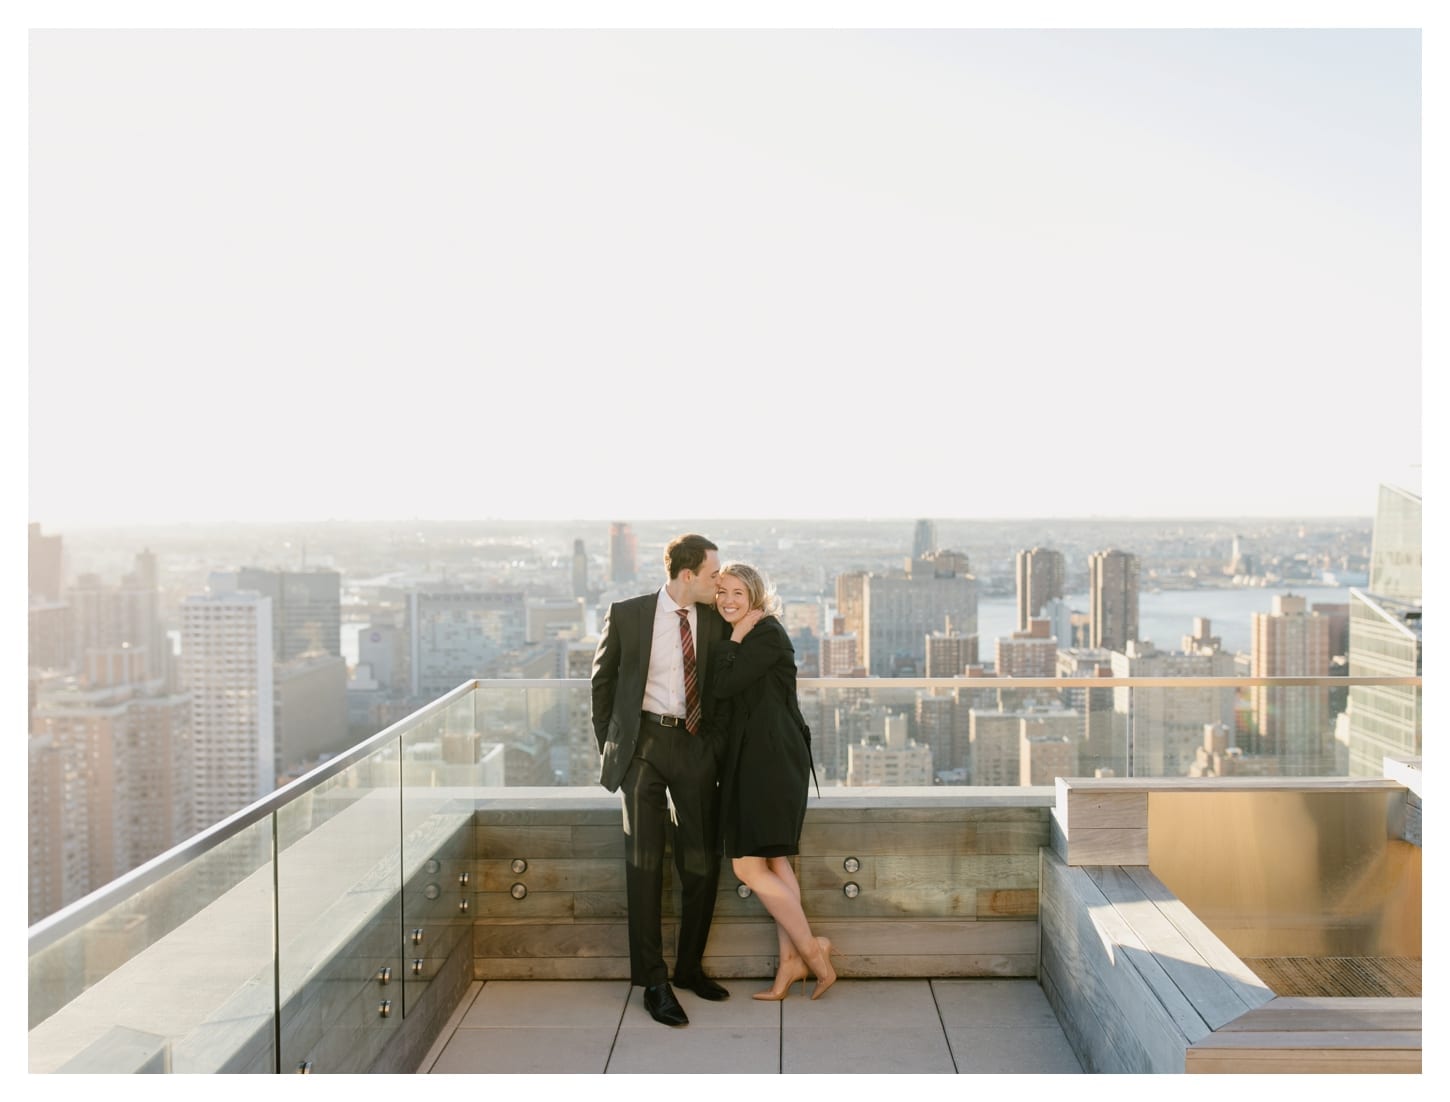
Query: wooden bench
[1140,984]
[1135,978]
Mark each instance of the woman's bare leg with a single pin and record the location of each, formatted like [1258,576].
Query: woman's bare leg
[782,868]
[782,900]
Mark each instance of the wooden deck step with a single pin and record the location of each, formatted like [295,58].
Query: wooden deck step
[1373,1052]
[1308,1035]
[1314,1014]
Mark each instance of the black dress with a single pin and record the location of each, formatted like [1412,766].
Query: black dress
[765,744]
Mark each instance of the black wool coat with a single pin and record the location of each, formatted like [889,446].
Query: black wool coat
[765,748]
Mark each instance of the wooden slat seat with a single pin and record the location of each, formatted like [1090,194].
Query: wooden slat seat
[1308,1035]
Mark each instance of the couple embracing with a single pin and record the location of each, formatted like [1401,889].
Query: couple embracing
[694,696]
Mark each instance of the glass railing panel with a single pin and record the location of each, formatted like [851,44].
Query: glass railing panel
[444,765]
[534,733]
[176,977]
[992,732]
[339,917]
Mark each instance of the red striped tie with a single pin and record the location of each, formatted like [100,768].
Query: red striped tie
[692,689]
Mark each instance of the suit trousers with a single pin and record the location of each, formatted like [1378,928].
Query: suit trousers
[669,758]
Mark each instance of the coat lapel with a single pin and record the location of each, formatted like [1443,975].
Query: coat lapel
[647,609]
[704,630]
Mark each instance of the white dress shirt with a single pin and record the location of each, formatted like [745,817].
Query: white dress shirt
[664,687]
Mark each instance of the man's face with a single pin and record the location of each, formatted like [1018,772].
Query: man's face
[702,584]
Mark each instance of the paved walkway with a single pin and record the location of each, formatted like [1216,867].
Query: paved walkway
[891,1026]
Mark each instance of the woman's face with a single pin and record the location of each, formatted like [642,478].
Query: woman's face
[731,598]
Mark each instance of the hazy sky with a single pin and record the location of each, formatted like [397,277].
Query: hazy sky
[631,274]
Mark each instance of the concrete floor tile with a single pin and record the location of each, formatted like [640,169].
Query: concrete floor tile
[866,1049]
[862,1004]
[993,1003]
[548,1004]
[1030,1051]
[523,1051]
[452,1024]
[722,1049]
[739,1011]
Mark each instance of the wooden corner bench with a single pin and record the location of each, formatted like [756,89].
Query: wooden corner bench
[1141,984]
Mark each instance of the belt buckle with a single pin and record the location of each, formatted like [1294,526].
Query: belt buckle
[669,721]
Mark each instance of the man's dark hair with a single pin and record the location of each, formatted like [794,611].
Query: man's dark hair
[686,553]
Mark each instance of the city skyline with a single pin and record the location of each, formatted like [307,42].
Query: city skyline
[808,236]
[224,662]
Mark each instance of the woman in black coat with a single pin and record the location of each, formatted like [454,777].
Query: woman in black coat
[765,768]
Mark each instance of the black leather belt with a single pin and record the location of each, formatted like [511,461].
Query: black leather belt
[664,721]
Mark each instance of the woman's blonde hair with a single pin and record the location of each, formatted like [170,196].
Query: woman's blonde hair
[757,586]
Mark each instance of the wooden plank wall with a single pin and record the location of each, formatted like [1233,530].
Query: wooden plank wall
[944,890]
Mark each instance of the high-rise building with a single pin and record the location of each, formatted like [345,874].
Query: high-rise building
[310,711]
[1385,631]
[1059,618]
[901,611]
[51,635]
[940,564]
[1383,720]
[1041,576]
[1395,553]
[306,607]
[128,615]
[1202,641]
[889,760]
[1219,756]
[1048,746]
[1338,616]
[579,572]
[1165,726]
[1293,722]
[936,725]
[548,617]
[1240,561]
[1029,653]
[851,601]
[111,756]
[384,648]
[226,652]
[923,540]
[996,746]
[59,824]
[948,653]
[45,564]
[454,635]
[1104,730]
[838,654]
[623,554]
[1113,585]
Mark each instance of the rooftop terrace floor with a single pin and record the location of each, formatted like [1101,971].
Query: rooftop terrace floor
[867,1025]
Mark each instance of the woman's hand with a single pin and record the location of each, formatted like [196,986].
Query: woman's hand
[745,623]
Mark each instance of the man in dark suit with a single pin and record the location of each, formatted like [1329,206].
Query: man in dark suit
[650,700]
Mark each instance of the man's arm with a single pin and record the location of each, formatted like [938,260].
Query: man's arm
[604,678]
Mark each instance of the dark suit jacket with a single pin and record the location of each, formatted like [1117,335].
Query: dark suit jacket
[621,668]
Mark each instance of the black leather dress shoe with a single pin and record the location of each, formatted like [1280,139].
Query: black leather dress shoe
[662,1005]
[704,986]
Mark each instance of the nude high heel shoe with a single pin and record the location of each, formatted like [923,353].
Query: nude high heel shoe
[785,978]
[824,972]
